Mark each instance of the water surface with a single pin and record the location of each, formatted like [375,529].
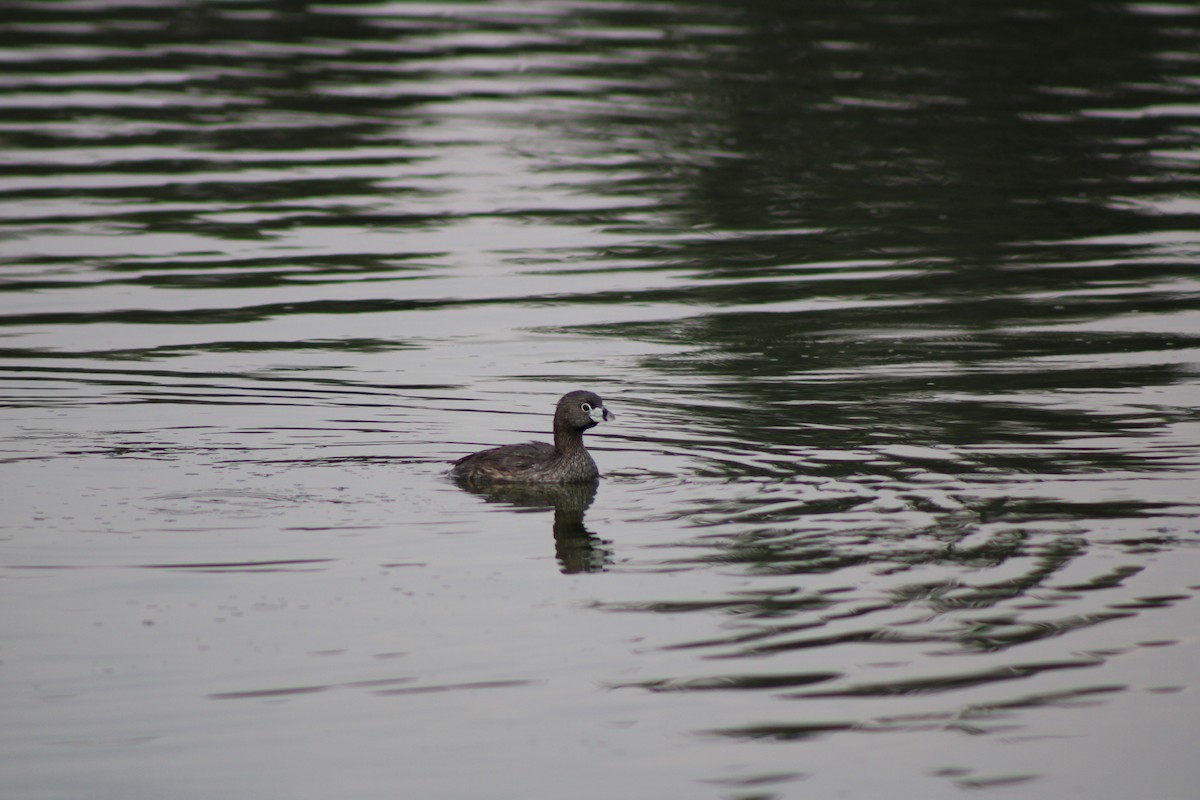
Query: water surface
[896,305]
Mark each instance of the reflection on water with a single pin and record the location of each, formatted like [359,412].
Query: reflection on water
[577,548]
[901,297]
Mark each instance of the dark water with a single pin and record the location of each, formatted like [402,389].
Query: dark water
[896,303]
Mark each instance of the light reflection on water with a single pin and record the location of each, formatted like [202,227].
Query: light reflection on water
[901,335]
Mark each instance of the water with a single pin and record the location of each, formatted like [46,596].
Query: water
[896,304]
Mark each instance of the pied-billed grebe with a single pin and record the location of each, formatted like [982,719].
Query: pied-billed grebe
[566,461]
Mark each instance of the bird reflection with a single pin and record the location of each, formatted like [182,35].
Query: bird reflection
[577,548]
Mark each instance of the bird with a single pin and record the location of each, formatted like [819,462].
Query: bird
[566,461]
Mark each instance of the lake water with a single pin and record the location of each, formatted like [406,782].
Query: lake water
[897,305]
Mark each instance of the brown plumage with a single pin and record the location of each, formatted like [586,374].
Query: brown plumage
[566,461]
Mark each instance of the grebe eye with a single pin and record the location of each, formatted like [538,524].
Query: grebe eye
[586,408]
